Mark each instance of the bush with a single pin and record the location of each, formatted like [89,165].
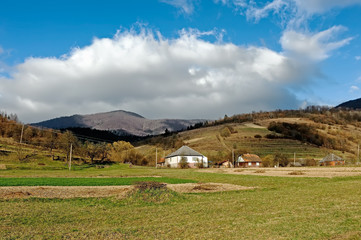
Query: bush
[281,160]
[296,173]
[183,163]
[310,162]
[257,136]
[267,161]
[144,186]
[271,136]
[225,132]
[150,193]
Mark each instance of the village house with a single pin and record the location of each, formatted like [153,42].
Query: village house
[332,160]
[248,160]
[185,153]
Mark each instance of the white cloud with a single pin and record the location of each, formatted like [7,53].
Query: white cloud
[354,89]
[358,58]
[295,11]
[186,6]
[321,6]
[276,6]
[185,77]
[313,46]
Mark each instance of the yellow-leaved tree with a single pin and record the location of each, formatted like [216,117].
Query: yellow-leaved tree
[124,152]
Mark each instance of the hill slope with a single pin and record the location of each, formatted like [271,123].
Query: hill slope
[307,134]
[352,104]
[119,122]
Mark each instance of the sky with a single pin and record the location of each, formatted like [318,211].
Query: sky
[176,58]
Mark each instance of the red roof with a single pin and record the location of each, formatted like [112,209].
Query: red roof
[162,160]
[251,158]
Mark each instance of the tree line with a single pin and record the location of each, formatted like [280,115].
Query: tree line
[55,142]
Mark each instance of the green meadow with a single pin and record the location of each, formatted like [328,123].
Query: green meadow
[278,208]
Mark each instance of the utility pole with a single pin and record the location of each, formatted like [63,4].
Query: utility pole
[233,158]
[156,157]
[21,141]
[294,159]
[21,135]
[70,154]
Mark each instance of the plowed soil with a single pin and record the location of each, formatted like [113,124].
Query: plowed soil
[327,172]
[105,191]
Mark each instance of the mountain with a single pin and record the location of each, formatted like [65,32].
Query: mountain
[119,122]
[352,104]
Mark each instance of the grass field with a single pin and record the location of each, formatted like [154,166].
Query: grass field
[87,181]
[279,208]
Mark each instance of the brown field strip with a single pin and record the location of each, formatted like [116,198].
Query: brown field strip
[106,191]
[325,172]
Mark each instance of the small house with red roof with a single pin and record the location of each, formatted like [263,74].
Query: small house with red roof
[248,160]
[332,160]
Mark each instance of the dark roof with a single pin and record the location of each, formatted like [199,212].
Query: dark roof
[331,157]
[185,151]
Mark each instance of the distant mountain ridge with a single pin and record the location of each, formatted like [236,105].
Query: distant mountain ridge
[119,122]
[352,104]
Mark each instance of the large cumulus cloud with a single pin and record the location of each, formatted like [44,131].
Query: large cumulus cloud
[186,77]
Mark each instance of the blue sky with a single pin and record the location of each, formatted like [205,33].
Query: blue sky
[177,58]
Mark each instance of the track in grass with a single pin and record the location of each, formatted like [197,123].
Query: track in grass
[86,181]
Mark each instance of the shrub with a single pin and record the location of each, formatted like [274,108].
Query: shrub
[225,132]
[183,163]
[150,193]
[271,136]
[296,173]
[267,161]
[280,159]
[144,186]
[257,136]
[310,162]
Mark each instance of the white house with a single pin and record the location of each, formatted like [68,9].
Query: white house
[193,158]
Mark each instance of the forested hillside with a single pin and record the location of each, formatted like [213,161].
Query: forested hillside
[308,134]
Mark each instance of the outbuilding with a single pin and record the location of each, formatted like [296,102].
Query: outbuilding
[225,164]
[248,160]
[187,155]
[332,160]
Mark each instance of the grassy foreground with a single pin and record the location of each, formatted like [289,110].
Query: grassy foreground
[86,181]
[280,208]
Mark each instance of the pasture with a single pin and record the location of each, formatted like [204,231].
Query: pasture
[274,208]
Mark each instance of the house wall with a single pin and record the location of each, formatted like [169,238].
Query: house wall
[333,163]
[248,164]
[193,161]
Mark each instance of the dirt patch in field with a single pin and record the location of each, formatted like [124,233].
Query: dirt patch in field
[63,192]
[252,125]
[206,187]
[105,191]
[327,172]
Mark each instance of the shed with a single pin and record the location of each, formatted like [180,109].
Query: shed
[225,164]
[192,157]
[248,160]
[332,160]
[161,162]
